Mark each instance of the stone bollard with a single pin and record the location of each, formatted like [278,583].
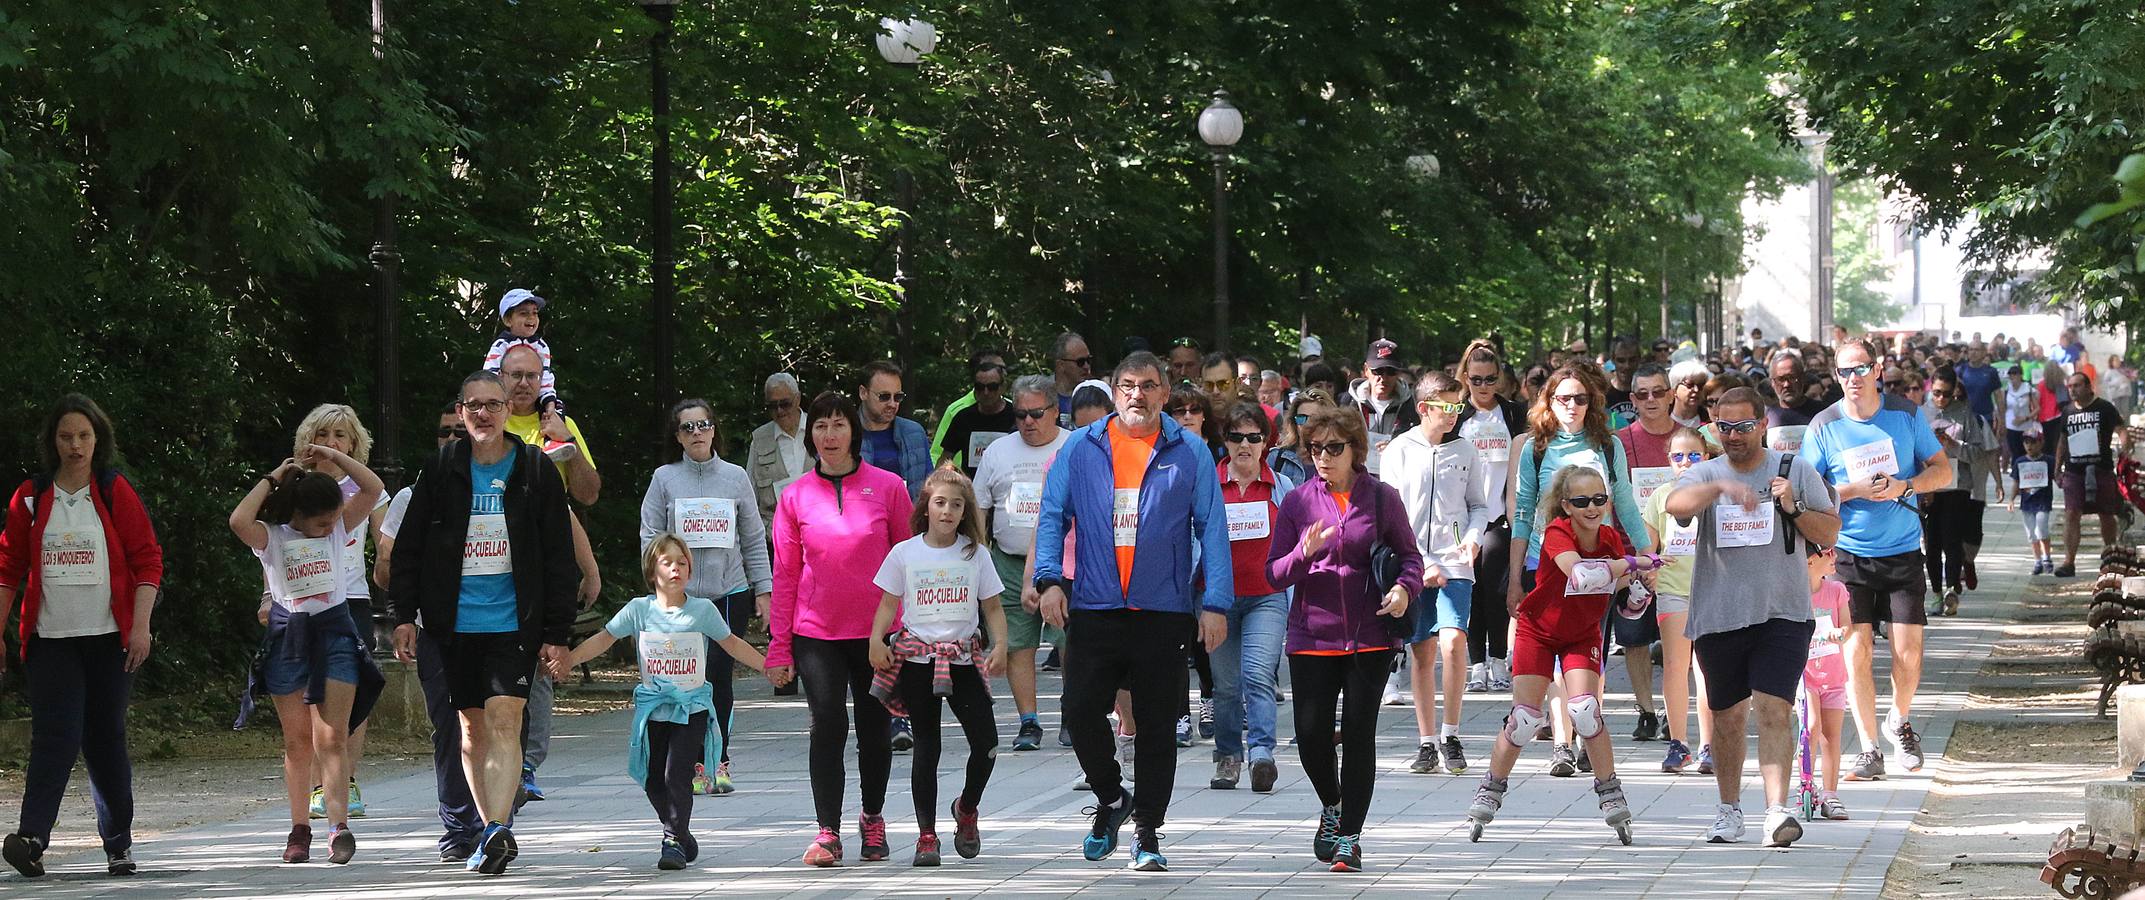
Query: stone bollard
[401,709]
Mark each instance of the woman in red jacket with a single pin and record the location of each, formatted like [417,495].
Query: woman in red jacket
[81,555]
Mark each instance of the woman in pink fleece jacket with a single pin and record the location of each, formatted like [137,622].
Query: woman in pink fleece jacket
[832,530]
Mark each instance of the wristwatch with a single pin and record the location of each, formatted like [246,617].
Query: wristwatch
[1044,584]
[1799,508]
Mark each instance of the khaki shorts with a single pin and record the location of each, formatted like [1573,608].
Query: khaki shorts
[1024,630]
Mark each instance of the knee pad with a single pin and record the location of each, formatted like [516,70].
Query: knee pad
[1519,727]
[1586,715]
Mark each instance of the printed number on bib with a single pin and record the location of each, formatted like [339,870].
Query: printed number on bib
[673,659]
[485,550]
[1024,505]
[1249,521]
[705,522]
[1819,647]
[1125,517]
[1650,479]
[308,574]
[1873,458]
[1735,527]
[2032,476]
[71,557]
[939,595]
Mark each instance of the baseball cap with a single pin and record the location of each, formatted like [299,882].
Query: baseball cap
[517,297]
[1311,347]
[1383,354]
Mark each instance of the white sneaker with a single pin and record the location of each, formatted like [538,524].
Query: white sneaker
[1905,743]
[1478,678]
[1500,674]
[1124,755]
[1781,828]
[1396,685]
[1727,825]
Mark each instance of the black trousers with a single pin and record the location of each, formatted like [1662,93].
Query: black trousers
[1487,618]
[1947,519]
[736,610]
[1141,651]
[971,704]
[837,678]
[78,708]
[673,750]
[1357,680]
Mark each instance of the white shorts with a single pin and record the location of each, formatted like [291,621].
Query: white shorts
[1665,605]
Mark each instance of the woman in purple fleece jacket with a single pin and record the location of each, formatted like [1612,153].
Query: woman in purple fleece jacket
[1337,647]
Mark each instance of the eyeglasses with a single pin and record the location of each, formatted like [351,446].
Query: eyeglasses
[1145,387]
[1174,410]
[453,432]
[1586,500]
[1081,361]
[493,407]
[985,387]
[895,397]
[1847,372]
[695,427]
[1450,409]
[782,405]
[523,377]
[1031,414]
[1649,394]
[1686,457]
[1745,426]
[1482,380]
[1571,399]
[1220,384]
[1892,385]
[1330,448]
[1244,437]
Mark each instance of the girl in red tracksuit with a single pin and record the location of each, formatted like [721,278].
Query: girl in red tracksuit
[1584,560]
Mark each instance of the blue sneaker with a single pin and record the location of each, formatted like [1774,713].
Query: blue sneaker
[495,850]
[475,860]
[1147,852]
[1679,756]
[1705,760]
[529,792]
[1109,820]
[1327,838]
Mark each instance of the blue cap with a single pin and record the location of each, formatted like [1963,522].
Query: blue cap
[517,297]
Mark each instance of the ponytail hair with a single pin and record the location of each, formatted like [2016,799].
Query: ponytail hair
[1560,489]
[301,495]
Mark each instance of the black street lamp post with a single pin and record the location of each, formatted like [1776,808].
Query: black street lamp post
[1220,126]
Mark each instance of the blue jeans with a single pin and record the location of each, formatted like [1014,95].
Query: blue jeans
[1251,655]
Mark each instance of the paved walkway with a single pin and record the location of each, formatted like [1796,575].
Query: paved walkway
[596,836]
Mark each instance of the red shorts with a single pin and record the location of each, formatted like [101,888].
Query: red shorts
[1537,652]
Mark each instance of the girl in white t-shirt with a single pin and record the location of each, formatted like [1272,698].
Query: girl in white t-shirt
[298,522]
[942,585]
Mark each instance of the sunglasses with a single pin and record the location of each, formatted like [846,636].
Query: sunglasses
[1861,371]
[1386,372]
[1330,448]
[1244,437]
[1571,399]
[1300,419]
[1482,380]
[1450,409]
[895,397]
[454,432]
[1745,426]
[1031,414]
[1220,384]
[1584,501]
[695,427]
[783,405]
[1081,361]
[985,387]
[1686,457]
[1175,410]
[1650,394]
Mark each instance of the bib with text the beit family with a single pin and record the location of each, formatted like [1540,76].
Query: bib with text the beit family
[1249,521]
[705,522]
[2032,475]
[1125,517]
[1024,504]
[1874,458]
[71,558]
[1733,526]
[673,658]
[485,549]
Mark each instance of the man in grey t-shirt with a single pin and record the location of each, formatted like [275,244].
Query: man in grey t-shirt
[1750,616]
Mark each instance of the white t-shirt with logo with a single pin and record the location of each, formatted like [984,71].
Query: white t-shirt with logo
[1010,482]
[306,575]
[941,588]
[75,569]
[355,584]
[672,643]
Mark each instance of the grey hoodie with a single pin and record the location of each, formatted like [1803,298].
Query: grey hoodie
[717,572]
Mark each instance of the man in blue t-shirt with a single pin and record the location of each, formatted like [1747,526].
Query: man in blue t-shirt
[1981,382]
[1878,452]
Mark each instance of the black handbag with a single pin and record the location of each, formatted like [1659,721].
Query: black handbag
[1384,574]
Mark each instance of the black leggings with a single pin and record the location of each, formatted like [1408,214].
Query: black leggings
[673,750]
[1944,531]
[736,610]
[1358,680]
[837,674]
[1198,653]
[1487,618]
[971,703]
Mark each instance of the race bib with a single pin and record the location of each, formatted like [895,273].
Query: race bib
[673,659]
[2032,476]
[1249,521]
[1874,458]
[1785,438]
[1589,576]
[1125,517]
[485,549]
[1650,479]
[308,570]
[1819,647]
[939,594]
[1681,540]
[705,522]
[1024,506]
[1377,451]
[72,558]
[1735,527]
[977,442]
[1494,449]
[2084,441]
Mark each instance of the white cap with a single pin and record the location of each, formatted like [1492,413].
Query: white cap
[517,297]
[1310,347]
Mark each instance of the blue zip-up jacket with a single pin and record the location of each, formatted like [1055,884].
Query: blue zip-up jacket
[915,449]
[1179,497]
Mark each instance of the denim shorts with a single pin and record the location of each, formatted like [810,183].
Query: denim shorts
[289,673]
[1453,603]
